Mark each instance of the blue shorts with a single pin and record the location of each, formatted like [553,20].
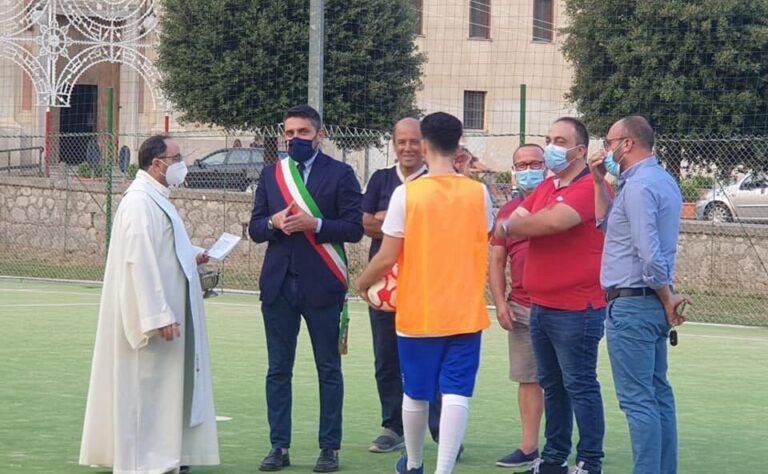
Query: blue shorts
[446,364]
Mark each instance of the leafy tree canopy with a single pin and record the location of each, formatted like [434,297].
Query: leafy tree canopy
[695,68]
[240,64]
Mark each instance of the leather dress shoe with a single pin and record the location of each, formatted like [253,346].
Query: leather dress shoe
[328,461]
[276,460]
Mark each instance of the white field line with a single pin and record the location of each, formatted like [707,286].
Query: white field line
[729,338]
[45,305]
[243,292]
[45,292]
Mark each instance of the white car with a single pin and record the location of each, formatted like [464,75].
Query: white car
[745,200]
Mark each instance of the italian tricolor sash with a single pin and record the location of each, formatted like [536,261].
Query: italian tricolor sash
[294,190]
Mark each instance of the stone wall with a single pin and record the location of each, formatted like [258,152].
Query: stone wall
[62,222]
[728,256]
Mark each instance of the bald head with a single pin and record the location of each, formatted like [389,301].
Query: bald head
[404,125]
[638,129]
[406,137]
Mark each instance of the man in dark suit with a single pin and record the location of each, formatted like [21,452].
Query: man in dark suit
[305,207]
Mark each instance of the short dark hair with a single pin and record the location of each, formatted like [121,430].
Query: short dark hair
[152,147]
[306,112]
[526,145]
[443,131]
[582,135]
[638,128]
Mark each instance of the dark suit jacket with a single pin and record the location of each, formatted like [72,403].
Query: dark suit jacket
[334,187]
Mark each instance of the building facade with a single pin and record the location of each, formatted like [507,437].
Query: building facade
[480,55]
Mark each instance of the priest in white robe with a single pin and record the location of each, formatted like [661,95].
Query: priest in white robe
[150,401]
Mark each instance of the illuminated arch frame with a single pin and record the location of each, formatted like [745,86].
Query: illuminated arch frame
[104,25]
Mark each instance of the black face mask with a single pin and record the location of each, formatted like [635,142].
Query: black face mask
[300,149]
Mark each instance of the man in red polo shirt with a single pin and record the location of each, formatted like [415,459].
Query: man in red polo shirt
[562,278]
[513,311]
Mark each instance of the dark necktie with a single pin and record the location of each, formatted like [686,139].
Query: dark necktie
[301,168]
[293,264]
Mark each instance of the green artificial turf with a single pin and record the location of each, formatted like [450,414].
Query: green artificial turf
[719,373]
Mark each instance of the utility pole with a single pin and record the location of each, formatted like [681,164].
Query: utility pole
[316,53]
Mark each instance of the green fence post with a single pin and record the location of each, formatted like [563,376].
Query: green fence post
[522,113]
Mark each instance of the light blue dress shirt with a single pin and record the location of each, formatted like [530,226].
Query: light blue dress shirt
[641,229]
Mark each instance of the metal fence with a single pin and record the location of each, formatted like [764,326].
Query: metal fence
[54,206]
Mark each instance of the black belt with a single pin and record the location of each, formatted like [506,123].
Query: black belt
[614,293]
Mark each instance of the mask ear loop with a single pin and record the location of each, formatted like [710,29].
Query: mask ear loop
[616,149]
[166,168]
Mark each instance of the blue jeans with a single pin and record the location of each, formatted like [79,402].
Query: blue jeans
[389,380]
[565,344]
[636,330]
[282,319]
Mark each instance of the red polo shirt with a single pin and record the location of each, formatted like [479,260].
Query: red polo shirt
[517,250]
[563,270]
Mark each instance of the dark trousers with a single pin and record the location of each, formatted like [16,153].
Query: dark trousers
[282,320]
[388,377]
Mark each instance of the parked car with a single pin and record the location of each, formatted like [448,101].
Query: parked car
[745,200]
[229,168]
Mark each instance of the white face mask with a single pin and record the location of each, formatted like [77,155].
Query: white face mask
[176,173]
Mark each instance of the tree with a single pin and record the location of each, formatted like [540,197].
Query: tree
[694,68]
[240,64]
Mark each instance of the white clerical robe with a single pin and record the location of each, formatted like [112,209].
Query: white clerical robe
[150,402]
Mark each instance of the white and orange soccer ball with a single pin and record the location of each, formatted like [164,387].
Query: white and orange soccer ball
[382,295]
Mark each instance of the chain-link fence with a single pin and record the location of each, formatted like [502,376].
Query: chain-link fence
[723,249]
[54,205]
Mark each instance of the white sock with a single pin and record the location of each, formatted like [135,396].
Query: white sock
[453,424]
[415,414]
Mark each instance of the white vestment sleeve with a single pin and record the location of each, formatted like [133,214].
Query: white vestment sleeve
[143,287]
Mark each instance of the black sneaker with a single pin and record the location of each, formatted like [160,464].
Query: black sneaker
[276,460]
[540,467]
[518,459]
[328,461]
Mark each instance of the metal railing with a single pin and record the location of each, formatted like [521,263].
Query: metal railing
[19,166]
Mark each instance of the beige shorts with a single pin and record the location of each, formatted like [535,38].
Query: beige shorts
[522,361]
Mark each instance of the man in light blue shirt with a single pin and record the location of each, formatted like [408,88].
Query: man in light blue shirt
[641,226]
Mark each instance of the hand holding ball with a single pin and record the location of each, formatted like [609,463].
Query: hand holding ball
[382,295]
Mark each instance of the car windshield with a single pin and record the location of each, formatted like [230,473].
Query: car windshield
[258,155]
[753,182]
[240,156]
[216,159]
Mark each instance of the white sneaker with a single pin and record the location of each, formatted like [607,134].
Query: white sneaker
[580,469]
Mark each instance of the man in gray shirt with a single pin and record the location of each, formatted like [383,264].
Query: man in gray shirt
[641,226]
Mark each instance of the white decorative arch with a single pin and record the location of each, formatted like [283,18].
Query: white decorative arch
[110,31]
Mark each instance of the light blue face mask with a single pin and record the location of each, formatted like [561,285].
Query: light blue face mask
[528,180]
[610,164]
[555,157]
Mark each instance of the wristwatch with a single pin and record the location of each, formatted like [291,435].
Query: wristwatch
[270,226]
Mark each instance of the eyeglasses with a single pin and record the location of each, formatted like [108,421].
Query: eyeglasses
[607,142]
[176,158]
[533,165]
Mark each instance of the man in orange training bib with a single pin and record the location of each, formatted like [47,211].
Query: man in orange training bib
[441,308]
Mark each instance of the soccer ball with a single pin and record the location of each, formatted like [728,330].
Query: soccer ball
[383,294]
